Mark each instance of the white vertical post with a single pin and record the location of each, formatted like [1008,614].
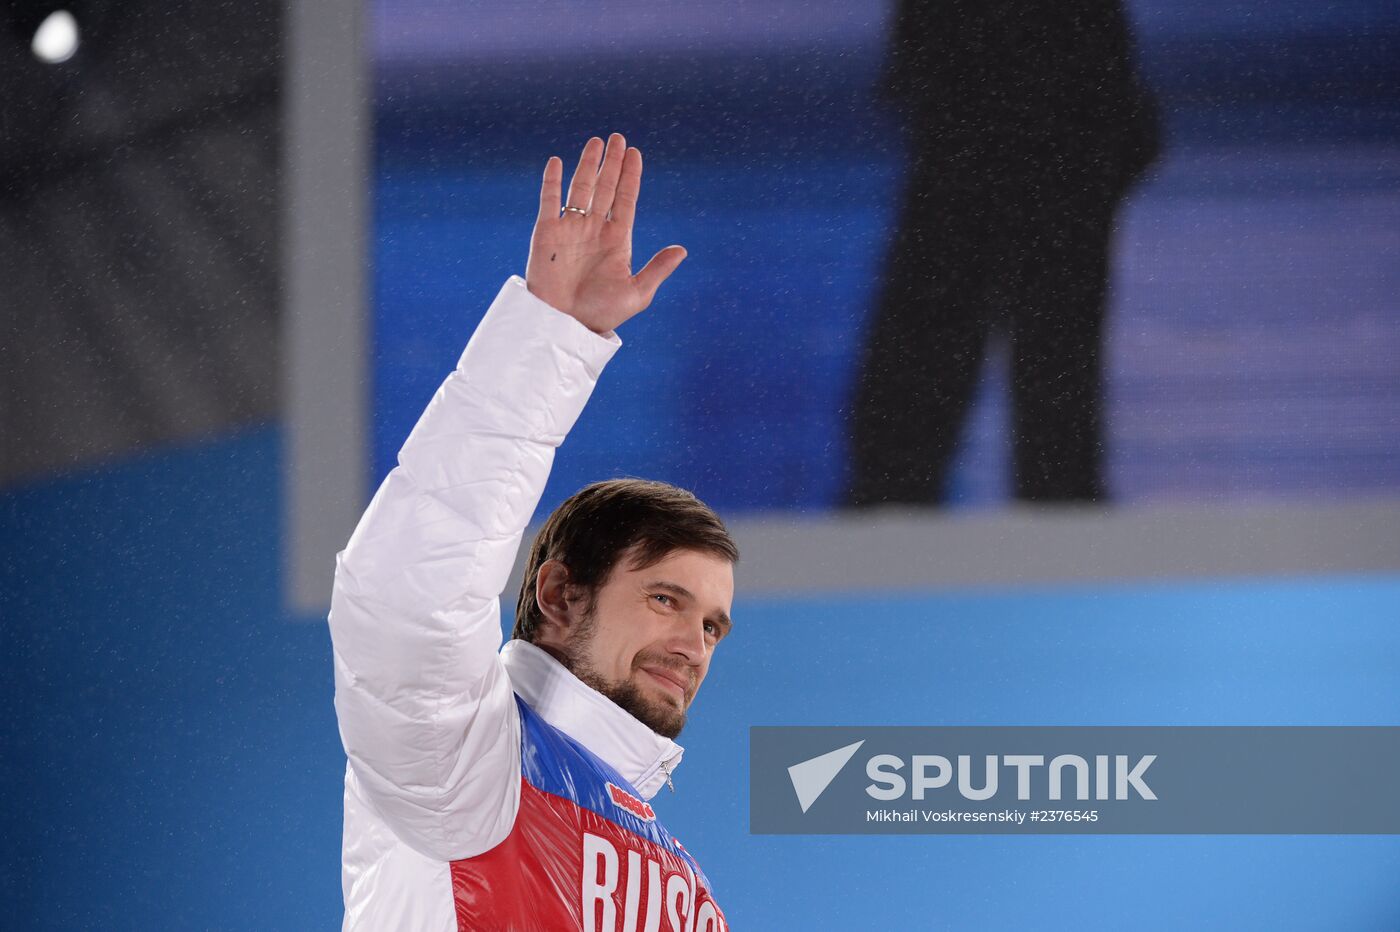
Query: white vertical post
[325,383]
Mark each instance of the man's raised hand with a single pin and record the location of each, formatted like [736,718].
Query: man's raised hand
[581,263]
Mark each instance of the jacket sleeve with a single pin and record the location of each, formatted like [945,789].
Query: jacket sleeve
[426,711]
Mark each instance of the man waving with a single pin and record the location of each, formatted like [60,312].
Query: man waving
[508,788]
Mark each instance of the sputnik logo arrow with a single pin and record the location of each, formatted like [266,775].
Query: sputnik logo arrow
[811,777]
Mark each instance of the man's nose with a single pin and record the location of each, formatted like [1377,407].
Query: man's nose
[688,639]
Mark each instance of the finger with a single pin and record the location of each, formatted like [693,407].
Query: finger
[607,176]
[624,207]
[581,188]
[658,270]
[549,189]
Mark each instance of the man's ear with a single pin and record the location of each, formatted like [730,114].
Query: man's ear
[553,592]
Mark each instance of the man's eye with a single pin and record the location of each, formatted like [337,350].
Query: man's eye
[712,628]
[665,599]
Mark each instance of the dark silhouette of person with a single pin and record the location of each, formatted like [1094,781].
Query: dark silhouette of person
[1027,126]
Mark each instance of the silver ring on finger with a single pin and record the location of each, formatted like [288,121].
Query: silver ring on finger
[577,210]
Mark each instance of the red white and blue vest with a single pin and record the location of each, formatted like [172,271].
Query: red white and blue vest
[586,852]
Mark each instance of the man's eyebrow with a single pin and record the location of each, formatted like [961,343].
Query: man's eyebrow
[685,593]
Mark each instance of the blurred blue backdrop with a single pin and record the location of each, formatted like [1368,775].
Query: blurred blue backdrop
[1253,349]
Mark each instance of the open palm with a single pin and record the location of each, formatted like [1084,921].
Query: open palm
[581,259]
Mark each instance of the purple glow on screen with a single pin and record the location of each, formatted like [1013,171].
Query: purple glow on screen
[436,30]
[430,31]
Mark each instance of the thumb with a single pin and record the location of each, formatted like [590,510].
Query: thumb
[658,270]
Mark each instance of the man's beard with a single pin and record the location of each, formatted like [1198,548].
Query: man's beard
[664,719]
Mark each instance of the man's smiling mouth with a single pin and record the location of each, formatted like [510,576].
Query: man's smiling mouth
[671,681]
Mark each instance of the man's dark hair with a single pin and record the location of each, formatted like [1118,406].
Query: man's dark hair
[591,531]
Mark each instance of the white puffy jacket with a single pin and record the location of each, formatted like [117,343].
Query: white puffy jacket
[489,788]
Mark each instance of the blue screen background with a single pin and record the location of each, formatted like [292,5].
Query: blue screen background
[1252,342]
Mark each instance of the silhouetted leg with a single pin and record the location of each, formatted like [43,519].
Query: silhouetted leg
[1056,351]
[920,363]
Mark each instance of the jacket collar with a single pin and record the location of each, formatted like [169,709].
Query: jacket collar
[644,758]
